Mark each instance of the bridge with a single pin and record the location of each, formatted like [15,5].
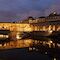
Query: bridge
[17,28]
[27,27]
[46,26]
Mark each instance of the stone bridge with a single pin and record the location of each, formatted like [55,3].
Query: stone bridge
[26,27]
[16,28]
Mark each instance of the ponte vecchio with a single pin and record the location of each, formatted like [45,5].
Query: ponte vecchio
[49,23]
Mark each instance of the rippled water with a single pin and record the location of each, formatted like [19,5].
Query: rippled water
[37,49]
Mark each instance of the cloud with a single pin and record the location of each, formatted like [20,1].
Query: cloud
[13,10]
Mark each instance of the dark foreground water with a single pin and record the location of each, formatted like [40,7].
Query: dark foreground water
[31,49]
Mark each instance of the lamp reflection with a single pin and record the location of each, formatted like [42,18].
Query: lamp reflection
[29,43]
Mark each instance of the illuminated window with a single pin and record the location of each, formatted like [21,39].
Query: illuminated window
[30,21]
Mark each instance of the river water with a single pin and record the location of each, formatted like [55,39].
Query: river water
[30,49]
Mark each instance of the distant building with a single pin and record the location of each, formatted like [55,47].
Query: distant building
[51,22]
[52,17]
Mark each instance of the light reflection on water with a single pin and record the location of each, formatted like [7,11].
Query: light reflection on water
[17,44]
[47,42]
[45,46]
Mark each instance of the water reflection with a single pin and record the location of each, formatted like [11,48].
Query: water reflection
[46,42]
[16,44]
[54,58]
[46,46]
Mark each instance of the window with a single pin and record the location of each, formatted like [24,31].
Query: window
[30,21]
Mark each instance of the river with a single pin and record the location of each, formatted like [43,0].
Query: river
[30,49]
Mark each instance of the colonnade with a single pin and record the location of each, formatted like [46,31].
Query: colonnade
[45,28]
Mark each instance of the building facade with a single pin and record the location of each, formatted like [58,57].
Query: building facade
[51,22]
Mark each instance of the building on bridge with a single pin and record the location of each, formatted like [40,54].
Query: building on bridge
[51,22]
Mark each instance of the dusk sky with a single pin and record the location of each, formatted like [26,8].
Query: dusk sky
[15,10]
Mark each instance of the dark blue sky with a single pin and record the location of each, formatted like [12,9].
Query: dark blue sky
[14,10]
